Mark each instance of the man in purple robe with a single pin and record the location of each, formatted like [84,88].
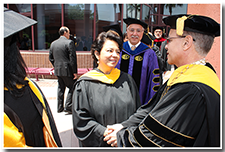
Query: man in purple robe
[138,60]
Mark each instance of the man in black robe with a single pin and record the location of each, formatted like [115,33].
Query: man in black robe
[185,112]
[140,61]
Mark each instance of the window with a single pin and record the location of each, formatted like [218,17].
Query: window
[173,9]
[46,30]
[132,10]
[24,36]
[154,13]
[107,14]
[79,19]
[20,8]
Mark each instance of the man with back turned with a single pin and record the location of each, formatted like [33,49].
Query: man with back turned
[63,57]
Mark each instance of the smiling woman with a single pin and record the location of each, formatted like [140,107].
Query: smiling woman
[109,56]
[104,95]
[98,45]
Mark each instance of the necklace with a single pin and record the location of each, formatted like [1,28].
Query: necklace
[199,62]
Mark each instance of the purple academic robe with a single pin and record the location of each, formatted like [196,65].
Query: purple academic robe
[142,65]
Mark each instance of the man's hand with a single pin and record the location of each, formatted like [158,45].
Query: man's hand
[110,134]
[75,76]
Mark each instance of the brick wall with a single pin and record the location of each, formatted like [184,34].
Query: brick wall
[213,11]
[41,60]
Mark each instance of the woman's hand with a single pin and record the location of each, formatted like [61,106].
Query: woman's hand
[110,134]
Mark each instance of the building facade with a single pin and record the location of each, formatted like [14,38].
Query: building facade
[85,22]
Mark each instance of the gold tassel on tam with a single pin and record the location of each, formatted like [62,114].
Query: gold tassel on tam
[180,24]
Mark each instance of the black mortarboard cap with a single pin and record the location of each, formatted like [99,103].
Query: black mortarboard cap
[15,22]
[113,27]
[147,38]
[158,27]
[129,21]
[193,23]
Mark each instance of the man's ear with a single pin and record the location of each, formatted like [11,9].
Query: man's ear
[97,54]
[64,33]
[188,42]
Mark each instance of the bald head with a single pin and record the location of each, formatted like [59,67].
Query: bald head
[64,31]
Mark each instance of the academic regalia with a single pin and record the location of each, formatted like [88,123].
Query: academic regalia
[148,39]
[158,42]
[193,23]
[15,22]
[99,100]
[130,21]
[185,112]
[142,65]
[115,28]
[28,121]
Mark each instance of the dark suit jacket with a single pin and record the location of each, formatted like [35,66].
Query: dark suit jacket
[63,57]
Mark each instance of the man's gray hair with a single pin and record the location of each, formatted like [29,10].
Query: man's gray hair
[202,43]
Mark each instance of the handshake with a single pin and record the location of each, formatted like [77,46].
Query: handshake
[110,134]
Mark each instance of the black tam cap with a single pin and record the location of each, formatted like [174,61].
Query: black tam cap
[158,27]
[193,23]
[148,38]
[113,27]
[13,23]
[129,21]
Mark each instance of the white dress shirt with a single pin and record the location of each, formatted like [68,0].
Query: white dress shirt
[134,45]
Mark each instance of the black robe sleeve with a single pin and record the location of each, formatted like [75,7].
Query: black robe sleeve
[182,118]
[51,118]
[52,124]
[143,110]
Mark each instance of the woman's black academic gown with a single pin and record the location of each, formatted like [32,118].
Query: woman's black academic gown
[100,100]
[28,120]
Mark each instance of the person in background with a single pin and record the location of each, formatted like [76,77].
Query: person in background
[104,95]
[138,60]
[125,38]
[148,39]
[28,121]
[158,33]
[62,56]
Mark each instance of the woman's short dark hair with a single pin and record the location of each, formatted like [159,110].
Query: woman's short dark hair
[98,43]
